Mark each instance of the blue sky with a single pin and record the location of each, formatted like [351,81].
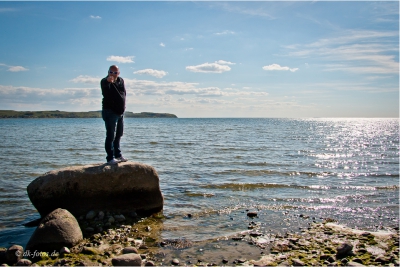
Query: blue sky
[204,59]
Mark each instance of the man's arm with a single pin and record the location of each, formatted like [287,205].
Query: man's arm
[105,87]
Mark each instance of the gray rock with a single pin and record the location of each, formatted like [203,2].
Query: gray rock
[110,220]
[344,249]
[64,250]
[354,264]
[175,262]
[382,259]
[297,262]
[128,250]
[56,230]
[14,254]
[90,251]
[252,214]
[24,262]
[100,215]
[127,260]
[90,215]
[124,187]
[119,218]
[357,260]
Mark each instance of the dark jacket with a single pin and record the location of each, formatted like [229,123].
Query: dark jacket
[114,95]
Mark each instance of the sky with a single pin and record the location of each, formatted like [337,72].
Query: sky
[295,59]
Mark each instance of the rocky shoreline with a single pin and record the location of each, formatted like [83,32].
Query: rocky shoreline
[92,216]
[137,241]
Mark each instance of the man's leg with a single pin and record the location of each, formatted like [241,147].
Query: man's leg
[117,139]
[110,120]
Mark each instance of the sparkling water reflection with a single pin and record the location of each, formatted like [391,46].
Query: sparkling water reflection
[216,169]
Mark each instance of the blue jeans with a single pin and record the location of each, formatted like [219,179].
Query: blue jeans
[114,130]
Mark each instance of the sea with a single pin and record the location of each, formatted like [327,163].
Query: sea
[212,171]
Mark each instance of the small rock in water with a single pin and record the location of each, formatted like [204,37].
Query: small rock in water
[149,263]
[175,262]
[224,261]
[252,214]
[89,229]
[255,234]
[90,215]
[100,215]
[119,218]
[111,219]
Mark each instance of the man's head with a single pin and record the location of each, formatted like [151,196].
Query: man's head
[113,71]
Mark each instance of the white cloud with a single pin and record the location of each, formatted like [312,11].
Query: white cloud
[370,52]
[119,59]
[86,79]
[223,62]
[155,73]
[16,68]
[95,17]
[207,101]
[224,32]
[22,94]
[243,8]
[146,87]
[209,68]
[278,67]
[162,44]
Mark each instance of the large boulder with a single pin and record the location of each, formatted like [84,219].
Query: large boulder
[57,230]
[125,187]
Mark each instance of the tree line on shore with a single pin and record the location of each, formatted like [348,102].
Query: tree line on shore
[65,114]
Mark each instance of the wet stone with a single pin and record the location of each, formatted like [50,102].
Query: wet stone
[24,262]
[130,250]
[90,215]
[252,214]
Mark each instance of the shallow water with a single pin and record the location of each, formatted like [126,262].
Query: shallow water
[216,169]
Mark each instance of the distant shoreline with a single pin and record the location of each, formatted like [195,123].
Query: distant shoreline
[9,114]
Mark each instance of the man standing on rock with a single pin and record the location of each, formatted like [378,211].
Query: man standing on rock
[114,95]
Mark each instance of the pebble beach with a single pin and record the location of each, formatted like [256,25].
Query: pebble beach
[320,244]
